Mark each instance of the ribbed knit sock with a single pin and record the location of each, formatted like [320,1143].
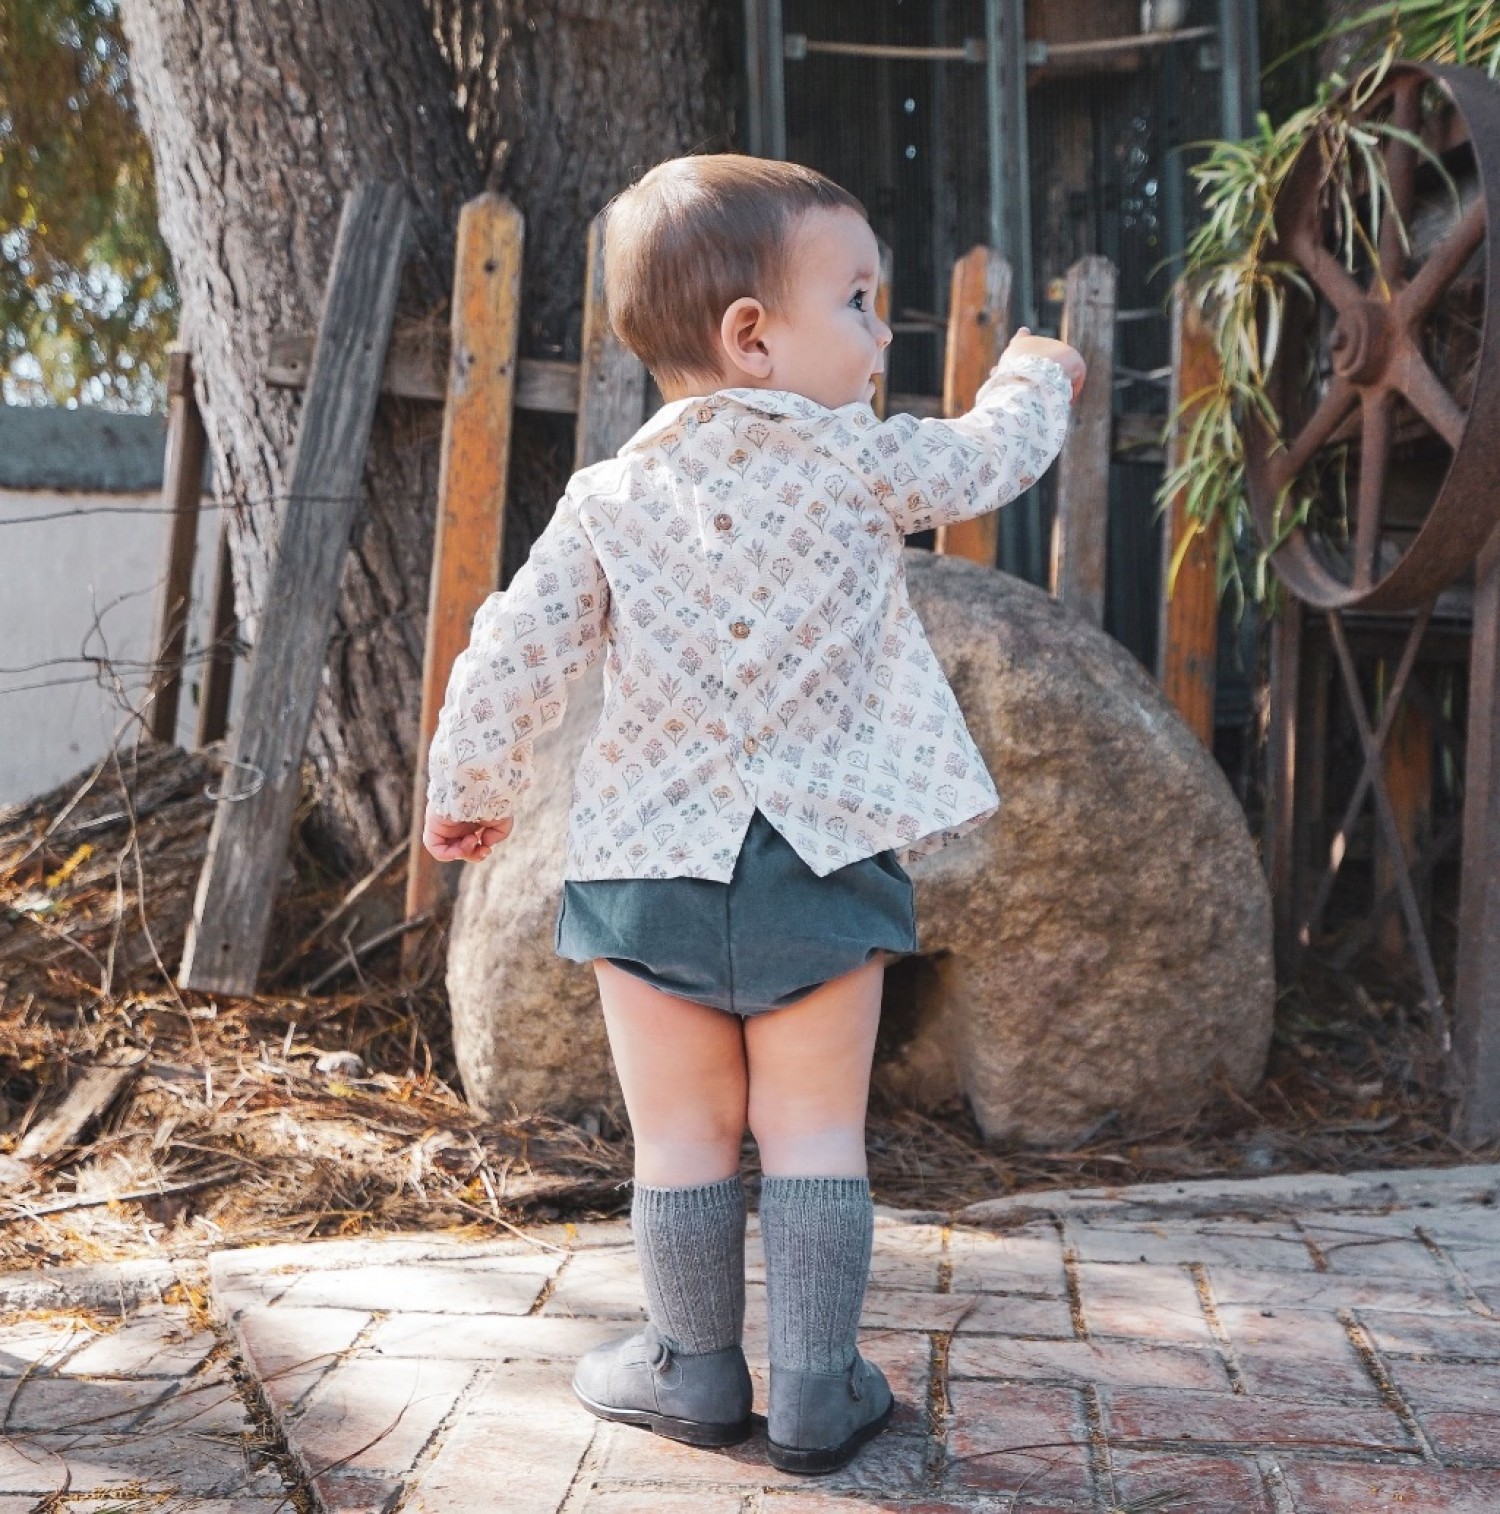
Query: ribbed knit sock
[691,1245]
[818,1234]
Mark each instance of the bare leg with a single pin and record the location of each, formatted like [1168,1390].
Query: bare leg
[681,1067]
[810,1077]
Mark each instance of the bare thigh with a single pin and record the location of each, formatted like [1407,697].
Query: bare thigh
[682,1069]
[810,1077]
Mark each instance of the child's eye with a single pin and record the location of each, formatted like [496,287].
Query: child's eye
[858,298]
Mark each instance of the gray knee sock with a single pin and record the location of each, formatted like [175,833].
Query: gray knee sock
[691,1245]
[818,1235]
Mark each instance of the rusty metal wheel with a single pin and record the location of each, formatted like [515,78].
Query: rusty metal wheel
[1387,377]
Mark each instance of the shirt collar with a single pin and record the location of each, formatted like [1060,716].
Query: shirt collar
[775,404]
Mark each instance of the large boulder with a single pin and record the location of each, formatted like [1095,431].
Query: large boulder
[1100,948]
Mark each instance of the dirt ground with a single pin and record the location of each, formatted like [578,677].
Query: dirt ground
[329,1103]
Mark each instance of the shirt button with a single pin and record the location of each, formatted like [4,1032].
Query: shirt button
[739,630]
[750,745]
[722,522]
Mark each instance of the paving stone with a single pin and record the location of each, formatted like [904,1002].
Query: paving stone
[523,1433]
[1018,1314]
[1280,1351]
[1153,1302]
[367,1418]
[902,1309]
[27,1466]
[1234,1243]
[1081,1362]
[1006,1438]
[510,1286]
[1457,1405]
[1165,1414]
[888,1464]
[599,1285]
[1321,1487]
[1028,1260]
[27,1345]
[1348,1249]
[289,1349]
[777,1502]
[60,1403]
[1334,1290]
[341,1492]
[182,1463]
[1222,1484]
[498,1338]
[1433,1335]
[628,1501]
[155,1341]
[1472,1226]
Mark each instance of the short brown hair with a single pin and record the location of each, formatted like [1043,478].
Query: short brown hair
[692,236]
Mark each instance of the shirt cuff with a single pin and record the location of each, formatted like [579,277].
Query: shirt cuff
[1042,370]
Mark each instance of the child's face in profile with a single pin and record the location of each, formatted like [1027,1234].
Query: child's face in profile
[825,341]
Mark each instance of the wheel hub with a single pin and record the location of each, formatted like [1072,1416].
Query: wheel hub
[1360,344]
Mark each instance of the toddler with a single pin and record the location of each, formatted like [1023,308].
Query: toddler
[776,738]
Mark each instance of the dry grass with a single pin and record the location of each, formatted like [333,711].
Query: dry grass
[230,1134]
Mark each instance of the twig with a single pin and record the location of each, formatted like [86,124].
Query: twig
[87,1201]
[352,956]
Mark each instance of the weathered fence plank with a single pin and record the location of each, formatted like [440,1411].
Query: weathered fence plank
[978,326]
[218,662]
[182,490]
[475,459]
[251,826]
[611,378]
[1080,528]
[1188,644]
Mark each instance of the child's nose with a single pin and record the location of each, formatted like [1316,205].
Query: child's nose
[882,333]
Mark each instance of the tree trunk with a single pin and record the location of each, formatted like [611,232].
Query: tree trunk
[261,116]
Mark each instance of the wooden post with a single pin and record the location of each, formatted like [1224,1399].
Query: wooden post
[1475,1061]
[218,666]
[1188,644]
[1406,758]
[477,421]
[883,310]
[252,824]
[1080,529]
[1279,846]
[182,486]
[978,327]
[611,379]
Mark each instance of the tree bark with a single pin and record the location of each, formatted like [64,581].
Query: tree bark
[261,116]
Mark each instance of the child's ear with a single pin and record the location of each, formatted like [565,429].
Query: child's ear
[742,335]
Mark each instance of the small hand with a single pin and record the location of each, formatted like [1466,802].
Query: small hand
[1024,344]
[462,840]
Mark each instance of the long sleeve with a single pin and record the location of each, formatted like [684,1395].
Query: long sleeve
[939,472]
[510,683]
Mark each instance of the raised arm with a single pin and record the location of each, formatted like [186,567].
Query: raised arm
[939,472]
[510,683]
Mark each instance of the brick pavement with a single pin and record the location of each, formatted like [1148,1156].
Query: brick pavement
[1278,1346]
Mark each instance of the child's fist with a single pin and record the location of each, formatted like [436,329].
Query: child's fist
[1024,344]
[461,840]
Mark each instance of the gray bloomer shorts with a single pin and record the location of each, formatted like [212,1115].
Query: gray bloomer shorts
[768,937]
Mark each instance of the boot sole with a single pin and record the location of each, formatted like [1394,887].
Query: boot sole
[691,1431]
[826,1458]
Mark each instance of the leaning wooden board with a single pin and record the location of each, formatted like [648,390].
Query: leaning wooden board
[248,843]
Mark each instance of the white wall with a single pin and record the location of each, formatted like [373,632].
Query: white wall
[56,576]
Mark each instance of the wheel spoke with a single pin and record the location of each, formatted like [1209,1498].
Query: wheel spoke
[1401,171]
[1332,409]
[1374,452]
[1335,282]
[1415,302]
[1429,397]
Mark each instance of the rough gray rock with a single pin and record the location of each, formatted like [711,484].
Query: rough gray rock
[1101,947]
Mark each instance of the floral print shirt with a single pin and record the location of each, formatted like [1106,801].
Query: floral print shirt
[738,570]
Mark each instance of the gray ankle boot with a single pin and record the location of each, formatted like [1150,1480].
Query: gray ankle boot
[641,1380]
[826,1400]
[818,1420]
